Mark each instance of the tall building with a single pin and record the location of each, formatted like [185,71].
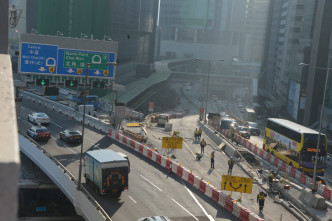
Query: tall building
[129,22]
[255,29]
[300,32]
[206,29]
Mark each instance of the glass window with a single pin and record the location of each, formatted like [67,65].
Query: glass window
[41,130]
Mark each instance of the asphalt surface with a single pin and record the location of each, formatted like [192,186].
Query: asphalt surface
[152,190]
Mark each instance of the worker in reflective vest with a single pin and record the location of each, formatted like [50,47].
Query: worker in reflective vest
[203,144]
[260,199]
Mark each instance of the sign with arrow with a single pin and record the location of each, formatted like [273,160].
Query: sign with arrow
[236,184]
[43,82]
[71,83]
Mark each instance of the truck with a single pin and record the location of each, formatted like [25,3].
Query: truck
[90,100]
[106,171]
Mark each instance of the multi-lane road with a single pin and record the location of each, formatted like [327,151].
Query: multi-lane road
[152,190]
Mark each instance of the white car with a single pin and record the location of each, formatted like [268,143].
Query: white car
[39,118]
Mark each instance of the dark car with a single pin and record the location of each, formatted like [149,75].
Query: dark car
[243,131]
[39,133]
[253,128]
[71,136]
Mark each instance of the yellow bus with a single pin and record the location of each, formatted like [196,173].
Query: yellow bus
[295,144]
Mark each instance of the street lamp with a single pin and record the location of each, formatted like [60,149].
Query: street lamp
[83,126]
[320,120]
[207,85]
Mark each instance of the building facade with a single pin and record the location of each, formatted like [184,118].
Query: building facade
[296,35]
[129,22]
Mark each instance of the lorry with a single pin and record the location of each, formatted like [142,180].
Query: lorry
[90,100]
[106,171]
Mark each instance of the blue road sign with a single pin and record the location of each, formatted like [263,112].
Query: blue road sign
[50,59]
[38,58]
[73,62]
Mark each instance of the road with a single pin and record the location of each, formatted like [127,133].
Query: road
[186,157]
[152,190]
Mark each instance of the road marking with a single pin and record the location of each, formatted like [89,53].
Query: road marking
[204,211]
[189,149]
[185,209]
[95,145]
[65,146]
[56,124]
[132,199]
[151,183]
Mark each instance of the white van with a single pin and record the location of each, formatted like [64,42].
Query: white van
[125,156]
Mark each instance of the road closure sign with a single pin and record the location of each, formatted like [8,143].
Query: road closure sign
[236,184]
[172,142]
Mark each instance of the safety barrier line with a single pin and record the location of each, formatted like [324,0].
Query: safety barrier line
[323,190]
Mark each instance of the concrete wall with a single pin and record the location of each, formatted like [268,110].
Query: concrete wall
[10,153]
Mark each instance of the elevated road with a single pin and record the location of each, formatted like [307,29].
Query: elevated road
[152,191]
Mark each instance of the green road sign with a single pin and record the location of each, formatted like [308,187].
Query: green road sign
[79,59]
[43,82]
[71,83]
[98,84]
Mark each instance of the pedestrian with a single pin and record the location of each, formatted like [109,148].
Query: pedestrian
[198,156]
[199,134]
[230,166]
[203,144]
[260,200]
[212,160]
[196,133]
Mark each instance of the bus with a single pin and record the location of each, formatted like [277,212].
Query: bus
[295,144]
[249,115]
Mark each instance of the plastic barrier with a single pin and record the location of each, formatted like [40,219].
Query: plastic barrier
[185,174]
[292,172]
[302,178]
[174,167]
[215,194]
[236,209]
[179,171]
[208,190]
[191,178]
[244,214]
[308,181]
[202,186]
[327,193]
[222,199]
[283,166]
[158,158]
[229,204]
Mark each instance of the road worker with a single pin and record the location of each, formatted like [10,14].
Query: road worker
[203,144]
[196,134]
[260,199]
[230,166]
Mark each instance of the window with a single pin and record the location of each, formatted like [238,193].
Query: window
[284,131]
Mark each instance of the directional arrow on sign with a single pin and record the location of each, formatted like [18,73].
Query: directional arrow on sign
[42,82]
[70,71]
[97,72]
[42,69]
[71,83]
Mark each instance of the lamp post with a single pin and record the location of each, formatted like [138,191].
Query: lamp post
[207,85]
[320,120]
[83,126]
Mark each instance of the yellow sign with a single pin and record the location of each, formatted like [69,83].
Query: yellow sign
[133,124]
[79,70]
[236,184]
[172,142]
[106,72]
[51,69]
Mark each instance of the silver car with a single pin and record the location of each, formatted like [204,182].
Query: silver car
[39,118]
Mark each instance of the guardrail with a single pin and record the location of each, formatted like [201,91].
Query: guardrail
[203,186]
[206,188]
[69,183]
[281,165]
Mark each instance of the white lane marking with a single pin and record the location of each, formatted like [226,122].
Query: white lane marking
[204,211]
[65,145]
[56,124]
[151,183]
[95,145]
[185,209]
[132,199]
[189,149]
